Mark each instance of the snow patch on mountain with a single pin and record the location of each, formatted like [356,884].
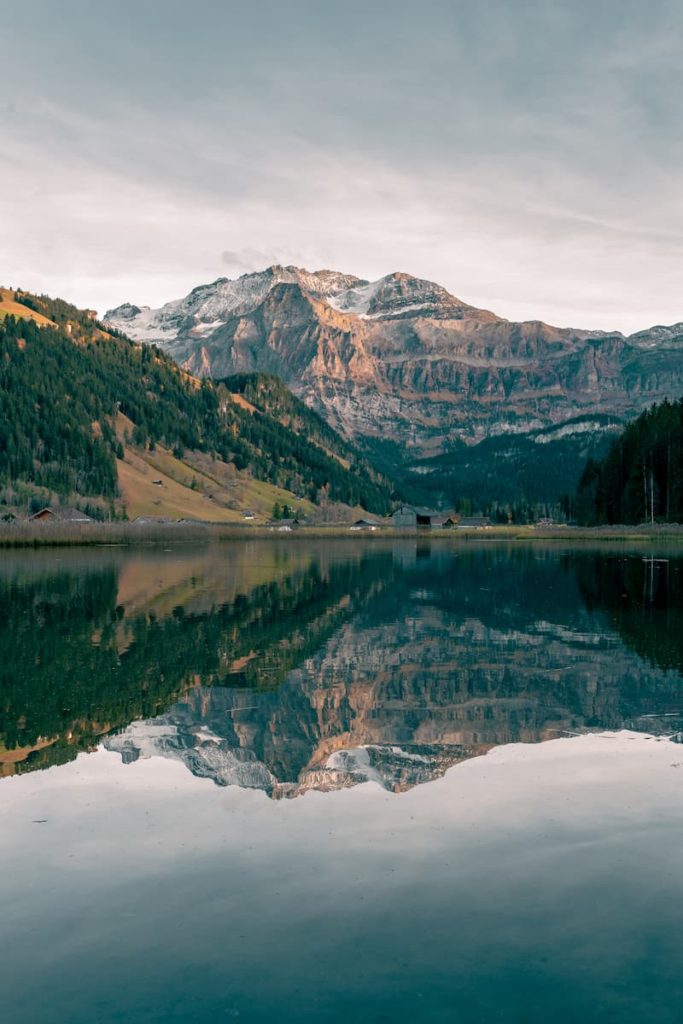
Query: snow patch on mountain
[355,300]
[205,328]
[359,301]
[398,295]
[572,429]
[658,336]
[206,308]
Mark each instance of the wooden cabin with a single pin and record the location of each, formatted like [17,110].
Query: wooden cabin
[60,515]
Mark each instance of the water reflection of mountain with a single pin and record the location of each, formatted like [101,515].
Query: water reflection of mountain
[84,651]
[289,667]
[453,654]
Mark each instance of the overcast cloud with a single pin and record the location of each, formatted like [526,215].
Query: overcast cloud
[525,155]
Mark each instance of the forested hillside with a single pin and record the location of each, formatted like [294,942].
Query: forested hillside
[641,477]
[333,463]
[269,395]
[521,475]
[65,385]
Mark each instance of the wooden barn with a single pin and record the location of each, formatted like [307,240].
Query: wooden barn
[60,515]
[407,517]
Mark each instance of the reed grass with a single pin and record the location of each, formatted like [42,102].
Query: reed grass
[27,534]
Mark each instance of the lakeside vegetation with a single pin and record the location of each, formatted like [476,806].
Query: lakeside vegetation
[507,475]
[38,534]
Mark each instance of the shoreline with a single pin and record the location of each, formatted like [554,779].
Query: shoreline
[131,535]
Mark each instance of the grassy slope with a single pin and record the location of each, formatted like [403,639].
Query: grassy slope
[9,307]
[219,495]
[159,584]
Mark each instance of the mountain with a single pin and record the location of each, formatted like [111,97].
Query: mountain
[86,413]
[401,362]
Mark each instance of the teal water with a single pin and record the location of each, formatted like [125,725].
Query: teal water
[339,781]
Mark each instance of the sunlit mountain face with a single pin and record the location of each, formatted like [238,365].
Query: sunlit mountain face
[402,359]
[288,668]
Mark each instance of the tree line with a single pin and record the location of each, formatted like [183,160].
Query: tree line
[640,479]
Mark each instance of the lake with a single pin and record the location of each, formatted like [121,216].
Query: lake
[328,781]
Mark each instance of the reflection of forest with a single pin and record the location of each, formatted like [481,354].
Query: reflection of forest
[287,667]
[76,663]
[459,654]
[643,599]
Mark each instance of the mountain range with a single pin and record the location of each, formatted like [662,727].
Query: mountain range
[319,389]
[411,372]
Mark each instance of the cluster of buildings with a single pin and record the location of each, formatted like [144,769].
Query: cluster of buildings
[407,517]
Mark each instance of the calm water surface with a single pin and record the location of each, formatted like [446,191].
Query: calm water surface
[341,781]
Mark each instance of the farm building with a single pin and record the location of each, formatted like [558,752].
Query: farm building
[60,515]
[407,517]
[473,523]
[284,525]
[153,521]
[365,524]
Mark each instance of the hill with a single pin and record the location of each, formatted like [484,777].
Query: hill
[86,413]
[527,473]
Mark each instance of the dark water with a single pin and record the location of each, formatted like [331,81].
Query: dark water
[249,782]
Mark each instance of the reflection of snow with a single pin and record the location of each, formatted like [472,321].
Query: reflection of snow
[574,635]
[354,762]
[357,761]
[206,754]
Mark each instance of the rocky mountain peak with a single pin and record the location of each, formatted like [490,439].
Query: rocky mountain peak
[125,312]
[402,359]
[207,307]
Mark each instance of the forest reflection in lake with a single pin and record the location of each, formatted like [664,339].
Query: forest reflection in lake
[288,667]
[155,879]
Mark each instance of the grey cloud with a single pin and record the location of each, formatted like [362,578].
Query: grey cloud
[244,260]
[525,155]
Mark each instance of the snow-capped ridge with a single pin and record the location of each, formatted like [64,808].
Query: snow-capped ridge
[207,307]
[399,294]
[659,335]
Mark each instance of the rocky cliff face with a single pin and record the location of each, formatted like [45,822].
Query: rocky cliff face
[402,359]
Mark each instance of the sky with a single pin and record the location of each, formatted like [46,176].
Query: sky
[526,155]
